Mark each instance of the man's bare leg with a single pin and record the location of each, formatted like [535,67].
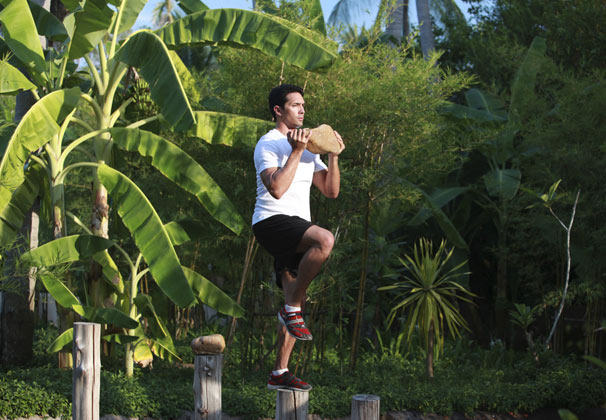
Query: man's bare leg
[316,244]
[286,342]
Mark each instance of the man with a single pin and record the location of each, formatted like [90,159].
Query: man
[282,221]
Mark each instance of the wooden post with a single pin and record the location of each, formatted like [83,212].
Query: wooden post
[365,407]
[207,376]
[291,405]
[86,383]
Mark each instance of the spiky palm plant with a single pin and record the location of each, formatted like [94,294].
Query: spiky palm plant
[428,293]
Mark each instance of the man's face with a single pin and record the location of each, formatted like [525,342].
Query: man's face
[293,112]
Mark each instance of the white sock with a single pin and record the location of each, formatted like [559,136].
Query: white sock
[292,308]
[279,372]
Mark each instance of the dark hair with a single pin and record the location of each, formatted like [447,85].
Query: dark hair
[277,96]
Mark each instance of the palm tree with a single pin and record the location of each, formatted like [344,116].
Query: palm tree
[164,13]
[396,17]
[398,25]
[429,290]
[426,36]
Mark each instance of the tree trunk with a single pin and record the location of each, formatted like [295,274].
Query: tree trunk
[291,405]
[365,407]
[86,382]
[207,386]
[426,31]
[397,23]
[430,348]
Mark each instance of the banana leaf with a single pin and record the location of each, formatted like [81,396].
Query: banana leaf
[21,35]
[192,6]
[87,26]
[120,338]
[271,35]
[209,294]
[149,235]
[60,292]
[66,337]
[47,24]
[314,11]
[111,316]
[162,345]
[444,222]
[19,205]
[35,129]
[66,250]
[485,101]
[7,128]
[146,51]
[142,352]
[440,198]
[190,86]
[146,308]
[184,171]
[178,235]
[524,82]
[130,11]
[12,81]
[110,270]
[229,129]
[503,183]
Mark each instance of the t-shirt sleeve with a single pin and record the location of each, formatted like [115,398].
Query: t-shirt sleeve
[318,164]
[266,156]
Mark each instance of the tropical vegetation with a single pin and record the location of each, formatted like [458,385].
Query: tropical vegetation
[133,151]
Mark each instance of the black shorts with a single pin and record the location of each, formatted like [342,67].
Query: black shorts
[280,235]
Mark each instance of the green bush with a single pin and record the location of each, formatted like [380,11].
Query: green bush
[467,379]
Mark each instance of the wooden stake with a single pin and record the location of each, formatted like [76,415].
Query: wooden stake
[207,386]
[365,407]
[86,384]
[291,405]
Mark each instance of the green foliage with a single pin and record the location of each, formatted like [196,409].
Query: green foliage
[523,315]
[468,380]
[429,291]
[21,398]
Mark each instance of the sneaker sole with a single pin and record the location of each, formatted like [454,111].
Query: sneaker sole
[287,388]
[291,334]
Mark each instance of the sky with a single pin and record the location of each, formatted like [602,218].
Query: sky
[366,15]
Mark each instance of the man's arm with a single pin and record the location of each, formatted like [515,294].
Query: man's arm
[329,181]
[278,180]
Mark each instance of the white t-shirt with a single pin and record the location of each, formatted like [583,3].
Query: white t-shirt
[272,151]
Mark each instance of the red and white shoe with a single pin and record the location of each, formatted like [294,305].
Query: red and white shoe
[293,321]
[287,381]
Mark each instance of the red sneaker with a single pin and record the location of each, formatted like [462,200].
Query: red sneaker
[287,381]
[293,321]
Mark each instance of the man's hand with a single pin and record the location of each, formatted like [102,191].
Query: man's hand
[298,138]
[341,144]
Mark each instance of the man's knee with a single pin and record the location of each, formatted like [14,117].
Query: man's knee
[317,237]
[327,241]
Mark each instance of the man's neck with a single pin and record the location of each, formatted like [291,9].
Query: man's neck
[282,127]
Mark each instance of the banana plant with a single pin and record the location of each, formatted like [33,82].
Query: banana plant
[94,31]
[92,23]
[155,243]
[502,181]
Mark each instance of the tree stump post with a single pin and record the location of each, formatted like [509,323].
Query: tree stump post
[208,368]
[365,407]
[86,383]
[291,405]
